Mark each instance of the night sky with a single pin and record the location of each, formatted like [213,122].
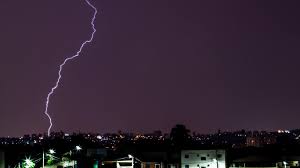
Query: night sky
[207,64]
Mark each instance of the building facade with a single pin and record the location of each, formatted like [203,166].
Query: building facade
[203,159]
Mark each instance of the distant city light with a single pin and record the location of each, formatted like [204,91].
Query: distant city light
[283,131]
[99,137]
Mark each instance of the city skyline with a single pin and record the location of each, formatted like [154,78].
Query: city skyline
[208,65]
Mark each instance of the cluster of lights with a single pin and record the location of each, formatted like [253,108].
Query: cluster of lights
[283,131]
[29,163]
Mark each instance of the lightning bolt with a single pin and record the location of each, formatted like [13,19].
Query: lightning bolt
[61,66]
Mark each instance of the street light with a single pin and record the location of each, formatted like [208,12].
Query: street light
[28,163]
[284,163]
[51,151]
[78,148]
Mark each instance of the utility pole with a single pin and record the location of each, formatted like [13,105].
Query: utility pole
[43,159]
[217,158]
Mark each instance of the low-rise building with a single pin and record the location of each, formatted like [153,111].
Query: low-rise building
[203,159]
[270,161]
